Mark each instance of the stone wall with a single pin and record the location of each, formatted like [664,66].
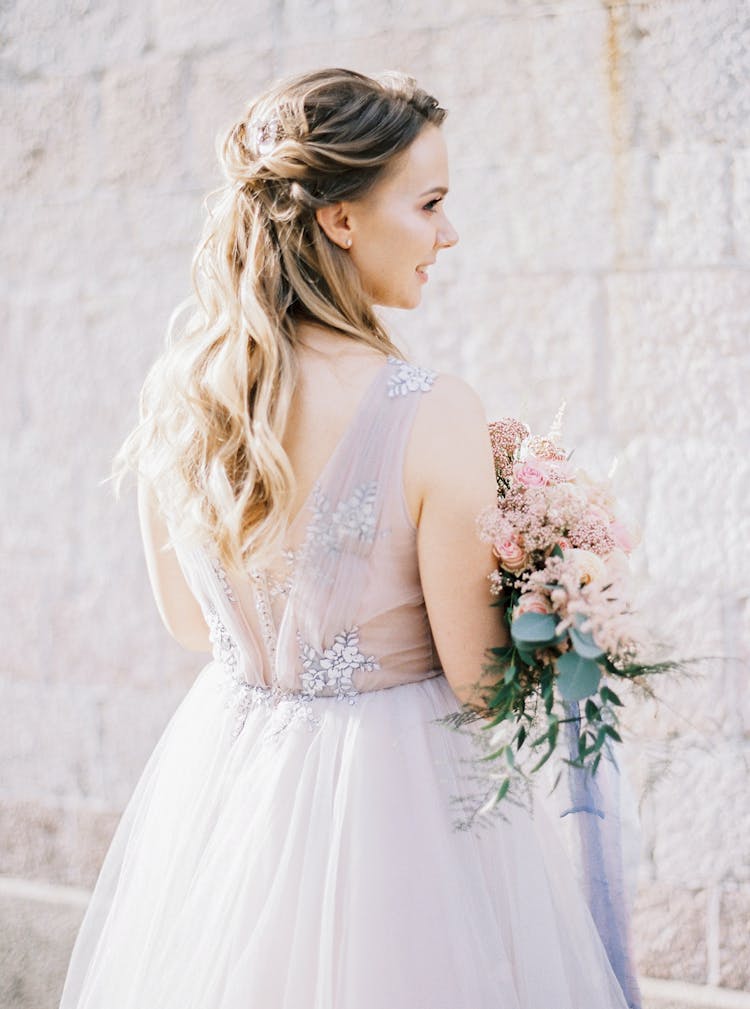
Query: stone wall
[600,174]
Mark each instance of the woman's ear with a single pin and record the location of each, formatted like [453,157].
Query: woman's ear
[334,220]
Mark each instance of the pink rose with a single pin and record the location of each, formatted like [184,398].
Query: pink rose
[533,602]
[530,474]
[511,554]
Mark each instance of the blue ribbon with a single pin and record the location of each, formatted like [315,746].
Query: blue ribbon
[599,836]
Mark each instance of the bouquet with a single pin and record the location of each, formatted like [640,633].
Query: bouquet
[562,582]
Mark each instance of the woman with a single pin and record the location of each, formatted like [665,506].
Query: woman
[290,843]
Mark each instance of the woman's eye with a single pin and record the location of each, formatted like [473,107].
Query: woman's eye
[431,205]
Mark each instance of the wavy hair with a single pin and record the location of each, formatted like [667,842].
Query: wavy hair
[214,405]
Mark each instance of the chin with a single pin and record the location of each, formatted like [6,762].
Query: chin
[402,302]
[410,300]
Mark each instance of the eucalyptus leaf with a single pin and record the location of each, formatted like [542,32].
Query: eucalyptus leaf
[578,677]
[584,644]
[534,628]
[560,638]
[525,655]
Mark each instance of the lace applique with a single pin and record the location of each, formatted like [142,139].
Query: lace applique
[325,674]
[225,648]
[409,378]
[279,586]
[350,523]
[330,672]
[285,707]
[265,614]
[223,579]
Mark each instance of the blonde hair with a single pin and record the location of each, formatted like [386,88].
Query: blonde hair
[214,405]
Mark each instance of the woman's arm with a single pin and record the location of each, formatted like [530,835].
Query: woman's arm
[178,607]
[451,452]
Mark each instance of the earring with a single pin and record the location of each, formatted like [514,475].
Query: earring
[348,243]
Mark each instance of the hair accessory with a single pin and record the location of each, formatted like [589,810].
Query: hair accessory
[265,134]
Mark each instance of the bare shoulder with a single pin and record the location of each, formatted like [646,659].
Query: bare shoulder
[453,400]
[450,472]
[449,444]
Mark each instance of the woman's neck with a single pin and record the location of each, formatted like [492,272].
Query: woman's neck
[321,340]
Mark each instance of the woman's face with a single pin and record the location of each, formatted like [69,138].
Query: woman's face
[397,230]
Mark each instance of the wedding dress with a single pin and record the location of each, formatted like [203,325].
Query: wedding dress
[291,843]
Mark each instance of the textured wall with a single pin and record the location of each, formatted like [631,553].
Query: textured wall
[600,173]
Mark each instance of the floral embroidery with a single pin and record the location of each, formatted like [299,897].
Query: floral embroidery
[225,648]
[279,586]
[285,707]
[325,674]
[263,609]
[351,522]
[223,579]
[332,669]
[409,378]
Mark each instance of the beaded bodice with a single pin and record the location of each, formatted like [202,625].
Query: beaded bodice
[340,610]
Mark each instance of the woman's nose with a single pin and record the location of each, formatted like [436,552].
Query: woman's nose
[448,235]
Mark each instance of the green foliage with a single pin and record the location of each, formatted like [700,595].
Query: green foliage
[578,677]
[609,695]
[534,629]
[535,695]
[584,643]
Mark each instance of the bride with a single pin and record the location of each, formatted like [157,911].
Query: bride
[308,500]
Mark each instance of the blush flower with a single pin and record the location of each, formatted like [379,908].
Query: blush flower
[530,474]
[506,438]
[588,566]
[511,554]
[591,534]
[545,448]
[533,602]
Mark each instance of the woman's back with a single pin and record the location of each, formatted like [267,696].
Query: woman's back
[436,474]
[340,610]
[443,477]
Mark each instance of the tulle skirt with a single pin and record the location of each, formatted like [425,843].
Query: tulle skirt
[319,867]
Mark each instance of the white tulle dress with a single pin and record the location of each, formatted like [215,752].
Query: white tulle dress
[292,841]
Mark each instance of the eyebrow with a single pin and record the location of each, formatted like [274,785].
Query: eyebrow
[435,189]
